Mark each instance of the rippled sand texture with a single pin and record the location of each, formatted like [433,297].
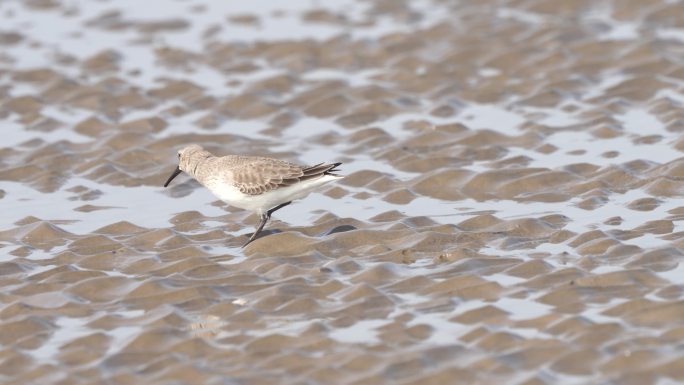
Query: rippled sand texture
[512,210]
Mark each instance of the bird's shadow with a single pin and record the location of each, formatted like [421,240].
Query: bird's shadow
[334,230]
[339,229]
[264,233]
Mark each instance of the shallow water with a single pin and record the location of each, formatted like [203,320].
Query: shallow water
[511,209]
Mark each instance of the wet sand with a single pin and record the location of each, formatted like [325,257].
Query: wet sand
[511,213]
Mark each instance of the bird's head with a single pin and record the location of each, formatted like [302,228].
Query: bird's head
[185,157]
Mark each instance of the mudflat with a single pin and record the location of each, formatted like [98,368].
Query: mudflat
[512,210]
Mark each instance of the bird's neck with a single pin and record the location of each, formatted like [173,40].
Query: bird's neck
[196,164]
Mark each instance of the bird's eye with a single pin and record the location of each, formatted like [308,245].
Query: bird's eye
[179,155]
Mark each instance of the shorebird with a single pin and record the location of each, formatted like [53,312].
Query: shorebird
[262,185]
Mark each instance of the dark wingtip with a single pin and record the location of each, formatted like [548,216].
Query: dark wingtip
[320,169]
[333,169]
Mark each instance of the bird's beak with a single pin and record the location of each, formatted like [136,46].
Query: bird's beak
[175,174]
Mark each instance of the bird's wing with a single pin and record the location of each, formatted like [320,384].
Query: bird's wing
[261,175]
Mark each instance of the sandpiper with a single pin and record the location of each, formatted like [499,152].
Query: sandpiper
[254,183]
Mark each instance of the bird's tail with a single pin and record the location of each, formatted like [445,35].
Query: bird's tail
[320,170]
[332,170]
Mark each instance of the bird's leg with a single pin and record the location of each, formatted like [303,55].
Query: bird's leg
[264,219]
[280,206]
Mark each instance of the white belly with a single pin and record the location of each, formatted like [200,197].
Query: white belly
[263,202]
